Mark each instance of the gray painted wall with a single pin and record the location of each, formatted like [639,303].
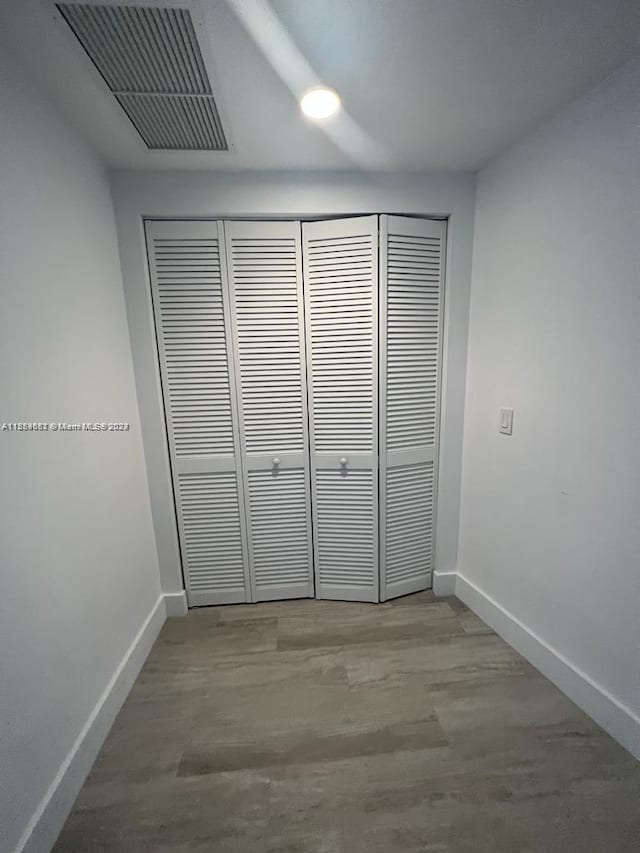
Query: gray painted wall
[550,521]
[78,569]
[204,194]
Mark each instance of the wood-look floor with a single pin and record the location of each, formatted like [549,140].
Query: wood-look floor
[324,727]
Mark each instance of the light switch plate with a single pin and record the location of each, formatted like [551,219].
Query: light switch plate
[506,421]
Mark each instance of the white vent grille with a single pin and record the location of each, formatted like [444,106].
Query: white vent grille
[151,61]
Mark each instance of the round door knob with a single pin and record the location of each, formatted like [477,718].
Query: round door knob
[343,460]
[276,461]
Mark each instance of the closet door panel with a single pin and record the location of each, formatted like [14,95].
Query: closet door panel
[187,272]
[265,283]
[411,301]
[341,286]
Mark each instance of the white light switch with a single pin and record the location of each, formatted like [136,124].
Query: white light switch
[506,421]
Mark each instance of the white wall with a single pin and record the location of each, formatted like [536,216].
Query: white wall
[550,522]
[78,567]
[202,194]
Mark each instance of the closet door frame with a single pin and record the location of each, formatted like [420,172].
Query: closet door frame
[442,225]
[155,423]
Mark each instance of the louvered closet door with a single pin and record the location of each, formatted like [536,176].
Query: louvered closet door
[187,268]
[411,294]
[341,287]
[265,281]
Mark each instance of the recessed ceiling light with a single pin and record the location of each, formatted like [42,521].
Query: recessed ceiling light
[320,103]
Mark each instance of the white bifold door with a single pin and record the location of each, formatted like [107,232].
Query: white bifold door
[265,282]
[411,292]
[191,306]
[341,299]
[229,317]
[300,367]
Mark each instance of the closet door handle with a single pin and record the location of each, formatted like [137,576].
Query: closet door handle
[276,461]
[343,461]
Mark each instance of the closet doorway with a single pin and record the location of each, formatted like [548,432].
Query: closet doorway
[300,364]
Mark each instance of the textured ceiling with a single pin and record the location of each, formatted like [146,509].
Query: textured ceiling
[426,84]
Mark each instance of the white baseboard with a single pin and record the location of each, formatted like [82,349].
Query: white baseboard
[444,583]
[48,819]
[176,603]
[614,717]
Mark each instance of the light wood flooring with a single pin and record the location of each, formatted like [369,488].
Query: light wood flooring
[327,727]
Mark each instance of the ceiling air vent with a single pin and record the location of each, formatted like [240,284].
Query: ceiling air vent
[151,61]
